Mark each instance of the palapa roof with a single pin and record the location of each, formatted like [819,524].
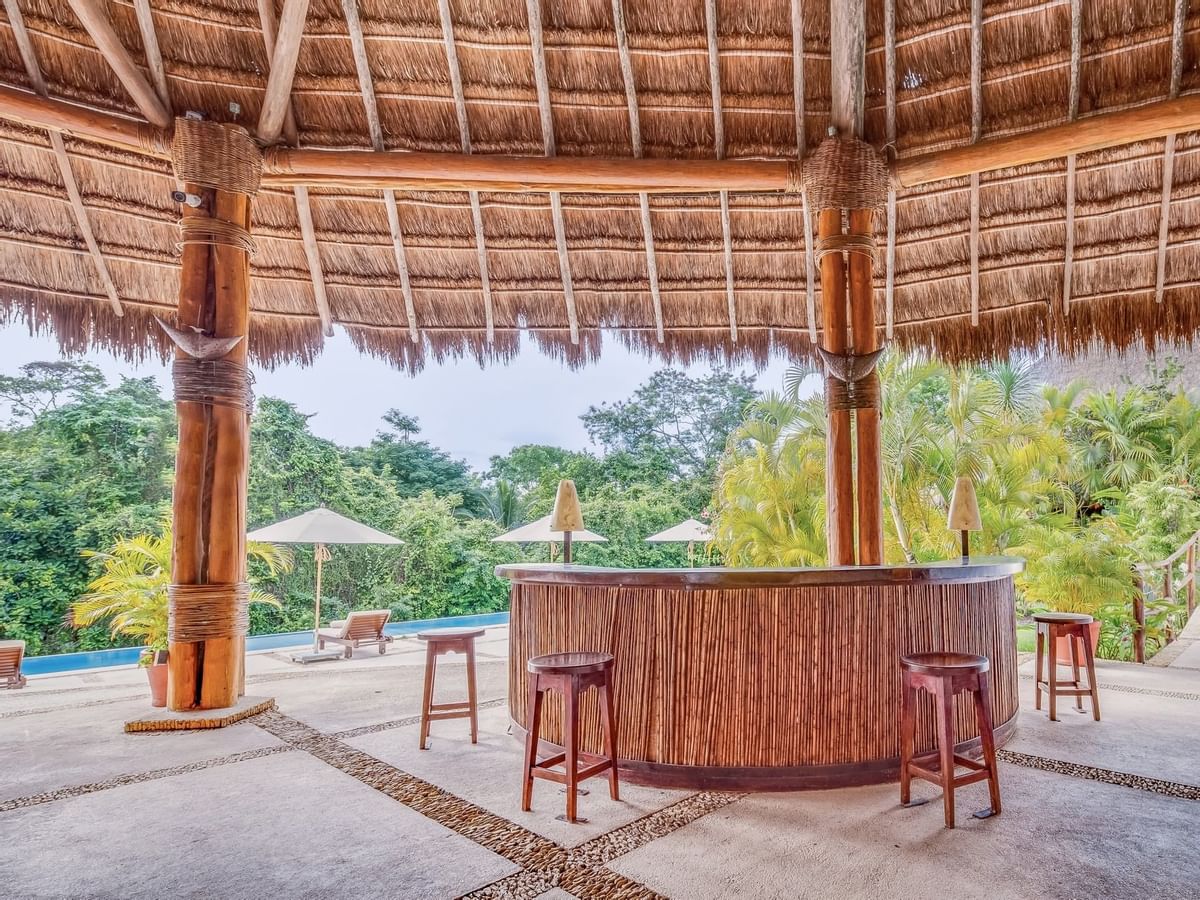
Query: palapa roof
[759,107]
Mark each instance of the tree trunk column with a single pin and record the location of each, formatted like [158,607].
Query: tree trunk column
[220,165]
[846,178]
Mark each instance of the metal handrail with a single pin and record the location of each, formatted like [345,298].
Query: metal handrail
[1170,589]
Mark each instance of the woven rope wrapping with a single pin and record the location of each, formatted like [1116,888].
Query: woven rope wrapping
[216,156]
[219,382]
[861,394]
[862,244]
[201,612]
[202,230]
[845,173]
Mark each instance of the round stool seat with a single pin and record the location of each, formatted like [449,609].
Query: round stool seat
[574,663]
[450,634]
[1063,618]
[944,663]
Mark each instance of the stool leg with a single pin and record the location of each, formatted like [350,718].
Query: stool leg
[571,736]
[908,735]
[1073,641]
[1052,677]
[987,738]
[610,735]
[533,715]
[430,668]
[1037,685]
[945,732]
[472,704]
[1089,662]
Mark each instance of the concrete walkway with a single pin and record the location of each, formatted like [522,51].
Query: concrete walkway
[330,795]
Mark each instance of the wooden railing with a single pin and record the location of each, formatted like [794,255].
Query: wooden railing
[1176,584]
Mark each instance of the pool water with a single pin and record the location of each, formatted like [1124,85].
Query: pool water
[128,656]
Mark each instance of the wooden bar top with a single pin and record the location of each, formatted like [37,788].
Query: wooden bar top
[978,569]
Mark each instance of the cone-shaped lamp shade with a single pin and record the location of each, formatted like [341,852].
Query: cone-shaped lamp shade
[964,507]
[567,515]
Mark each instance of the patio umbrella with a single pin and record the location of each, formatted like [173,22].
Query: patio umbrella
[320,527]
[539,531]
[687,532]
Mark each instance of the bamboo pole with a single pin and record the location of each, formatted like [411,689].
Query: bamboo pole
[866,421]
[839,460]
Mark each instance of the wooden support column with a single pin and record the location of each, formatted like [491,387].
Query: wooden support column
[866,419]
[839,454]
[207,646]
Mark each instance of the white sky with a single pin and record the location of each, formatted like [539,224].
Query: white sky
[471,413]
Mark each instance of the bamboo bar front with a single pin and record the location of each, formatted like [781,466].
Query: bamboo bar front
[763,679]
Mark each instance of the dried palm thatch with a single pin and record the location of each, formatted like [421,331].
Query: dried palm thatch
[1131,280]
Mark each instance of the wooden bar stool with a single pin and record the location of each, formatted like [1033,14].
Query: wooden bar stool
[570,674]
[944,675]
[437,643]
[1074,627]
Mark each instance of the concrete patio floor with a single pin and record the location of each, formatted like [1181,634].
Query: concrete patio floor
[329,794]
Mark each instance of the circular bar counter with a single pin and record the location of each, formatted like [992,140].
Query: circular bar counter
[763,679]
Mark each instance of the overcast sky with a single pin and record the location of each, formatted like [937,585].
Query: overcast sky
[472,413]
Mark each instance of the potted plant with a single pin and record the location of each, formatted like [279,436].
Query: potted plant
[1080,569]
[129,592]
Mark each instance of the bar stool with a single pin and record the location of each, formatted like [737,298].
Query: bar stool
[570,674]
[944,675]
[1074,627]
[438,643]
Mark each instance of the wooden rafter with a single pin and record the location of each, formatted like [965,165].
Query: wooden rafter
[154,60]
[464,131]
[889,65]
[847,42]
[308,234]
[635,137]
[976,134]
[34,71]
[284,54]
[1072,114]
[1168,166]
[714,79]
[542,83]
[94,18]
[810,269]
[366,86]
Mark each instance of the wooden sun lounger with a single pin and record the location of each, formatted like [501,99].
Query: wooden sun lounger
[361,628]
[11,654]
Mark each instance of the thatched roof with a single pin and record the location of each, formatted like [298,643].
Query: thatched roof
[213,55]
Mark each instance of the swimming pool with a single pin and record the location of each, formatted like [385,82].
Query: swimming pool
[128,656]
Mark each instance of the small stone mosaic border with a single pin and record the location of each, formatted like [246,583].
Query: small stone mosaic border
[1094,773]
[18,713]
[121,780]
[1129,689]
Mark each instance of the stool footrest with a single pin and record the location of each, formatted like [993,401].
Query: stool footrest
[443,707]
[1044,687]
[594,766]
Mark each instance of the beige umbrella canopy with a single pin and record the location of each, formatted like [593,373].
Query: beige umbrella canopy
[319,527]
[539,531]
[689,531]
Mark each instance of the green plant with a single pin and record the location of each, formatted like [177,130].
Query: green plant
[1073,568]
[130,590]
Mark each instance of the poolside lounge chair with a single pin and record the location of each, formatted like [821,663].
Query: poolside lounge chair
[363,627]
[11,654]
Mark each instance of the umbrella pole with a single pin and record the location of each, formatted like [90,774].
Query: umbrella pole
[319,551]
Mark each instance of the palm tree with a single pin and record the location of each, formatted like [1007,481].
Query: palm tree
[130,591]
[508,507]
[1121,435]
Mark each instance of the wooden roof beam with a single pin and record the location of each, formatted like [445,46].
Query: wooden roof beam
[714,79]
[34,71]
[154,60]
[810,268]
[284,54]
[366,85]
[542,84]
[1072,115]
[464,131]
[94,18]
[847,45]
[635,137]
[976,134]
[889,57]
[1168,168]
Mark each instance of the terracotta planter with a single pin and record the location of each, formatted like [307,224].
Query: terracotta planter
[157,675]
[1062,653]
